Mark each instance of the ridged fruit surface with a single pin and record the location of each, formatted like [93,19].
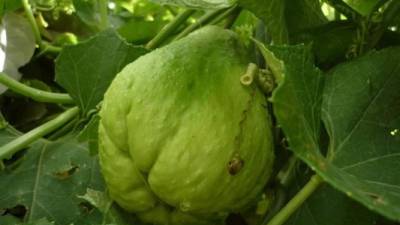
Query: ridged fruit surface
[182,140]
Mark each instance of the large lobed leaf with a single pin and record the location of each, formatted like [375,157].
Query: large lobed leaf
[361,111]
[17,45]
[47,181]
[282,17]
[87,69]
[361,105]
[198,4]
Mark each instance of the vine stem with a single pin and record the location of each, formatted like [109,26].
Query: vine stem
[168,29]
[296,201]
[35,94]
[286,175]
[203,20]
[232,18]
[32,21]
[43,46]
[224,15]
[23,141]
[103,14]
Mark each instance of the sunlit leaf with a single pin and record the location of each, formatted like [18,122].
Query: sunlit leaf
[17,44]
[86,70]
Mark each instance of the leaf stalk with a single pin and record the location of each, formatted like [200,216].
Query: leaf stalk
[203,20]
[284,214]
[7,150]
[33,93]
[168,29]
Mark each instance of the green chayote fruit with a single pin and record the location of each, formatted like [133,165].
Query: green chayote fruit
[182,140]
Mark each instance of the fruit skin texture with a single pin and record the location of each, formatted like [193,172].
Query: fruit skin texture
[173,122]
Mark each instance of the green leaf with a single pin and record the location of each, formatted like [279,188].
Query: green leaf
[17,45]
[9,6]
[42,221]
[303,14]
[282,18]
[9,220]
[330,42]
[86,70]
[3,122]
[198,4]
[90,134]
[88,12]
[7,135]
[47,181]
[328,204]
[297,99]
[361,113]
[364,7]
[272,14]
[98,199]
[391,15]
[112,214]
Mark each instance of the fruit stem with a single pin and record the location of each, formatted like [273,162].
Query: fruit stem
[203,20]
[296,201]
[168,29]
[23,141]
[33,93]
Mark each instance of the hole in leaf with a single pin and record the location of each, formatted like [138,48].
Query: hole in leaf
[85,207]
[235,219]
[15,159]
[17,211]
[62,175]
[376,198]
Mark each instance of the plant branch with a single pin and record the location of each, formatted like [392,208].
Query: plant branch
[203,20]
[63,130]
[103,14]
[391,11]
[33,93]
[296,201]
[224,15]
[232,18]
[344,9]
[168,29]
[171,10]
[26,139]
[32,21]
[47,47]
[379,4]
[285,176]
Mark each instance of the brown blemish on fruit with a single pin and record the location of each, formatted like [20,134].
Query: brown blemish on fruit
[235,165]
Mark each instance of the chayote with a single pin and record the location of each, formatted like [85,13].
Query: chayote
[182,140]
